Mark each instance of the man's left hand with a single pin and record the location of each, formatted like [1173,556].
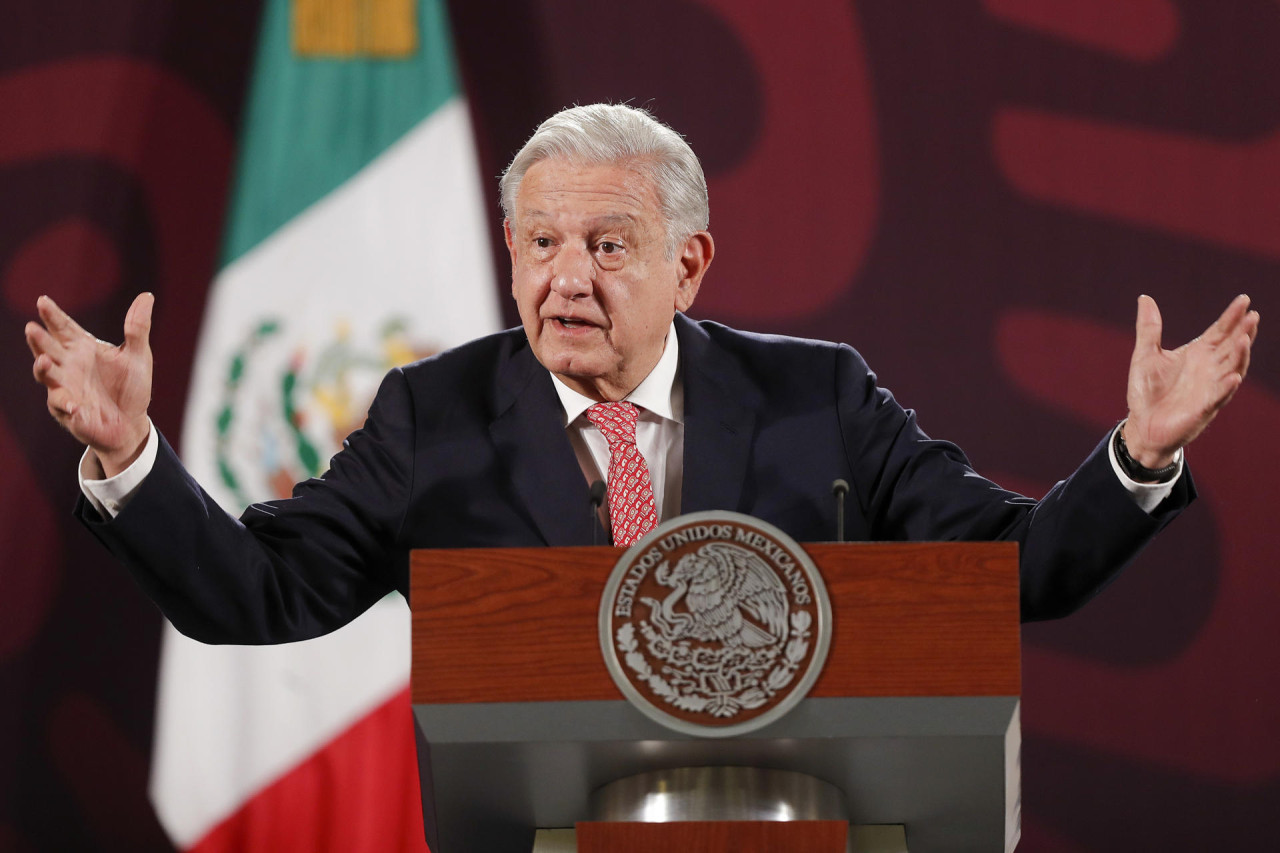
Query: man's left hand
[1174,394]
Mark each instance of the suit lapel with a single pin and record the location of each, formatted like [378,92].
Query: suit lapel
[719,422]
[530,437]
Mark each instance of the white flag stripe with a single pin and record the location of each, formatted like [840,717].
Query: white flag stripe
[252,713]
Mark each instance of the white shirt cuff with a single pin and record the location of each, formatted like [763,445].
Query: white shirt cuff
[1147,495]
[110,496]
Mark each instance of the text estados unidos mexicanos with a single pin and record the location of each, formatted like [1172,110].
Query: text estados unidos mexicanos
[703,532]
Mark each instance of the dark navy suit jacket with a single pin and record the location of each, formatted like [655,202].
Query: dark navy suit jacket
[467,449]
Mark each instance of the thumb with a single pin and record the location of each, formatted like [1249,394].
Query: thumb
[1149,326]
[137,323]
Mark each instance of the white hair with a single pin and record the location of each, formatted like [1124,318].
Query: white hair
[599,134]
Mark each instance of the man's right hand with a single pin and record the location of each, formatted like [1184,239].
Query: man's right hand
[99,392]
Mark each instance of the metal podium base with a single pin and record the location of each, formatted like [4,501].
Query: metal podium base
[718,793]
[946,766]
[724,794]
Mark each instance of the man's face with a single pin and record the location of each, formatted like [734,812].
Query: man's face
[591,277]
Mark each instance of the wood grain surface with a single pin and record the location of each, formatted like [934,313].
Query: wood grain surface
[742,836]
[522,624]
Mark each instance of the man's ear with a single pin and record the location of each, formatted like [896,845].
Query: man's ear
[510,238]
[695,258]
[511,250]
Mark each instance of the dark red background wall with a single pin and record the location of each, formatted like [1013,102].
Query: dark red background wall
[971,193]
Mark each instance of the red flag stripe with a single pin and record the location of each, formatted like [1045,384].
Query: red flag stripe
[359,793]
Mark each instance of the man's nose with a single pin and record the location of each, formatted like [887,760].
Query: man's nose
[573,272]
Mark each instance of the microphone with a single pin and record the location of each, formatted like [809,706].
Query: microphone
[840,488]
[597,498]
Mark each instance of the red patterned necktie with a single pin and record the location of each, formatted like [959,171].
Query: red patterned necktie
[631,508]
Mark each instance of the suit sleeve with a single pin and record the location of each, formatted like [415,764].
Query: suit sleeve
[285,570]
[1073,541]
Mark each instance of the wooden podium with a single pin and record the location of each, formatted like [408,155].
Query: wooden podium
[914,717]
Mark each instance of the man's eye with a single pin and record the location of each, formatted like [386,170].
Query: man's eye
[542,242]
[610,248]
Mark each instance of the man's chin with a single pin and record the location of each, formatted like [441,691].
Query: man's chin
[581,375]
[573,373]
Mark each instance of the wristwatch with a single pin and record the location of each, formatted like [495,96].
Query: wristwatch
[1135,470]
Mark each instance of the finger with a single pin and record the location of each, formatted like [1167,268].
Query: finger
[62,405]
[57,321]
[1222,328]
[46,372]
[1244,351]
[1228,389]
[40,342]
[137,323]
[1231,377]
[1148,327]
[1234,353]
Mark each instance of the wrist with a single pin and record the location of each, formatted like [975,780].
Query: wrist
[1143,465]
[116,460]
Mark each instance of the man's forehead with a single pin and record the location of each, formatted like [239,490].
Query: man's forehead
[538,216]
[550,181]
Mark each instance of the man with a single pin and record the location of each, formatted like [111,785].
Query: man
[497,441]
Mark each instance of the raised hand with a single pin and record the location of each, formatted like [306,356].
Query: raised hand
[97,391]
[1174,394]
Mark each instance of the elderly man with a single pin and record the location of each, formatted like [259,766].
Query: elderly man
[497,442]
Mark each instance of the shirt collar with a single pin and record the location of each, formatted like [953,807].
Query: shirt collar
[656,394]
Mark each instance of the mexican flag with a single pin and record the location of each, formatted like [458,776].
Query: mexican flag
[356,242]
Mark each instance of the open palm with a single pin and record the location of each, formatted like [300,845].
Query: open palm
[1174,394]
[98,391]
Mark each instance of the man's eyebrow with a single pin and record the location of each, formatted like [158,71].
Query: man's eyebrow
[613,220]
[606,218]
[599,223]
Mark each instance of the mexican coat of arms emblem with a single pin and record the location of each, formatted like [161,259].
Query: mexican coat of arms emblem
[715,624]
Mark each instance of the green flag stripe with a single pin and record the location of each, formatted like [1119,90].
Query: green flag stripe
[311,124]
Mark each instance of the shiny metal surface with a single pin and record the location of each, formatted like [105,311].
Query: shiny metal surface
[937,764]
[718,793]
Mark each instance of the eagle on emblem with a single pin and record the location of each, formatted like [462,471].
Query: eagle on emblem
[721,585]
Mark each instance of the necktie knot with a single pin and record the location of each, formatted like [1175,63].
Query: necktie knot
[616,421]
